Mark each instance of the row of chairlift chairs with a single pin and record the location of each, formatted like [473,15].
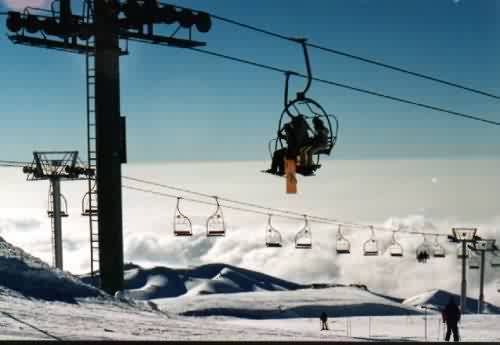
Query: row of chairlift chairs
[215,227]
[303,239]
[86,208]
[371,247]
[182,224]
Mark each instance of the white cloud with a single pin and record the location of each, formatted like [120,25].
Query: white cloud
[380,192]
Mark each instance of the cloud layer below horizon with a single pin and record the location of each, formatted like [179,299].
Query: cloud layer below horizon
[381,193]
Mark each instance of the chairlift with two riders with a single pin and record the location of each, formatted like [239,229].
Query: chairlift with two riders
[296,145]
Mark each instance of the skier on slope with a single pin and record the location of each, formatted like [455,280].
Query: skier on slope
[451,316]
[324,321]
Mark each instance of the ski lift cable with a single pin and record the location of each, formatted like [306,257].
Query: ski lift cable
[275,211]
[5,165]
[345,86]
[352,88]
[360,58]
[13,163]
[341,53]
[207,202]
[267,210]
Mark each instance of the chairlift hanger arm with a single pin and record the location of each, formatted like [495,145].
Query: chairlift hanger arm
[287,104]
[303,42]
[300,95]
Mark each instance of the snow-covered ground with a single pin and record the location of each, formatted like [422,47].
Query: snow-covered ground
[38,302]
[96,319]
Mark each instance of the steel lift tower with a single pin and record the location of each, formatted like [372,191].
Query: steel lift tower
[56,166]
[97,34]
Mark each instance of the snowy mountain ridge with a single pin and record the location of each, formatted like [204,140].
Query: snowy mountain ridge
[437,299]
[21,273]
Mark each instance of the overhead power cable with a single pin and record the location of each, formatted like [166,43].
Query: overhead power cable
[265,210]
[352,88]
[360,58]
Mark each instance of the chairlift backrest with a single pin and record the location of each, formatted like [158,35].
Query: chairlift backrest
[395,249]
[370,247]
[495,260]
[215,223]
[182,224]
[343,246]
[63,204]
[303,239]
[273,236]
[438,250]
[89,208]
[473,263]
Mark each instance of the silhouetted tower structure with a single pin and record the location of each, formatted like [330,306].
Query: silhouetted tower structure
[96,34]
[464,235]
[56,166]
[483,246]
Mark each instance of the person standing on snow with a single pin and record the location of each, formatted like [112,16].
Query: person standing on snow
[324,321]
[451,316]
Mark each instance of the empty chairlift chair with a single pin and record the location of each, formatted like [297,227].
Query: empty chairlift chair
[215,223]
[50,208]
[395,249]
[89,207]
[182,224]
[273,236]
[474,262]
[495,259]
[437,249]
[370,247]
[423,252]
[303,239]
[343,245]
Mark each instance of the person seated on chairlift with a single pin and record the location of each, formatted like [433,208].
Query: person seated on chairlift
[300,131]
[278,161]
[295,133]
[317,143]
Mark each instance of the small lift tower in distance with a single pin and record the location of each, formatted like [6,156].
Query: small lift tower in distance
[464,235]
[483,246]
[56,166]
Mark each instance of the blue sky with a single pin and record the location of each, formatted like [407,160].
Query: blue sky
[181,105]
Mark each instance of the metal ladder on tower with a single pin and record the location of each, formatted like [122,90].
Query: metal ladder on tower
[91,151]
[53,232]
